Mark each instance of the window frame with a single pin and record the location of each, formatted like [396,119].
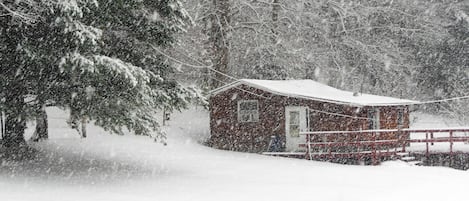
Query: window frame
[253,114]
[374,119]
[400,117]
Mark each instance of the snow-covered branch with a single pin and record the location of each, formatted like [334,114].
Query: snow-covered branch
[20,12]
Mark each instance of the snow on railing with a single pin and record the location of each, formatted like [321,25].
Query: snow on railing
[375,144]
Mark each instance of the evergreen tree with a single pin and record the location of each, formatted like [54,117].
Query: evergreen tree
[95,58]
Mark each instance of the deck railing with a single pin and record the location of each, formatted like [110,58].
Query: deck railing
[375,144]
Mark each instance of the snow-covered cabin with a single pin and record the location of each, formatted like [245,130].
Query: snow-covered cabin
[245,114]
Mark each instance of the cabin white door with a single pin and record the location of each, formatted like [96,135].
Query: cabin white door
[296,120]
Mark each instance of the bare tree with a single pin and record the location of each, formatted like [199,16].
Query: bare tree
[369,46]
[220,30]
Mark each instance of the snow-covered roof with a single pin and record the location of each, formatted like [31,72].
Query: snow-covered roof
[310,89]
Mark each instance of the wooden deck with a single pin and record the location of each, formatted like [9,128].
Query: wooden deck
[376,149]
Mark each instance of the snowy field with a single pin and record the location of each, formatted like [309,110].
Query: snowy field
[133,168]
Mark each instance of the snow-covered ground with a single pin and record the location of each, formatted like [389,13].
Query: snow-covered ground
[134,168]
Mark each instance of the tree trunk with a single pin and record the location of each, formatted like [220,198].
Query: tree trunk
[13,88]
[83,127]
[2,123]
[15,121]
[220,28]
[77,120]
[41,132]
[275,13]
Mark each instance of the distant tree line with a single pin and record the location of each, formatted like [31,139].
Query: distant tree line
[409,49]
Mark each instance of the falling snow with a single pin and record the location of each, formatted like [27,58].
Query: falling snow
[74,73]
[107,167]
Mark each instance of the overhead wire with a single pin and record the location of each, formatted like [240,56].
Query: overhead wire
[443,100]
[253,93]
[193,66]
[338,114]
[178,61]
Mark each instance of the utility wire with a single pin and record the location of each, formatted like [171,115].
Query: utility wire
[442,100]
[178,61]
[319,111]
[193,66]
[338,114]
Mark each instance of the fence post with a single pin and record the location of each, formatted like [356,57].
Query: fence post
[426,145]
[329,147]
[374,159]
[451,147]
[358,148]
[308,146]
[451,142]
[403,139]
[431,137]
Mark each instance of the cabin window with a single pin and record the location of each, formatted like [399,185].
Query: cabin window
[373,119]
[400,117]
[248,111]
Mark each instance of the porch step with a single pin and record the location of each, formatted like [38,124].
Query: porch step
[415,162]
[284,153]
[402,154]
[408,158]
[411,160]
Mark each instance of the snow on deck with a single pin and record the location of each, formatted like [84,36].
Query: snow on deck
[427,121]
[317,91]
[121,168]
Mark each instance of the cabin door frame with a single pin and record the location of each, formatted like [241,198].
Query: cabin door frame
[296,120]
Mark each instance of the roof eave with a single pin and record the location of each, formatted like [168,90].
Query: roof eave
[393,104]
[354,104]
[224,87]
